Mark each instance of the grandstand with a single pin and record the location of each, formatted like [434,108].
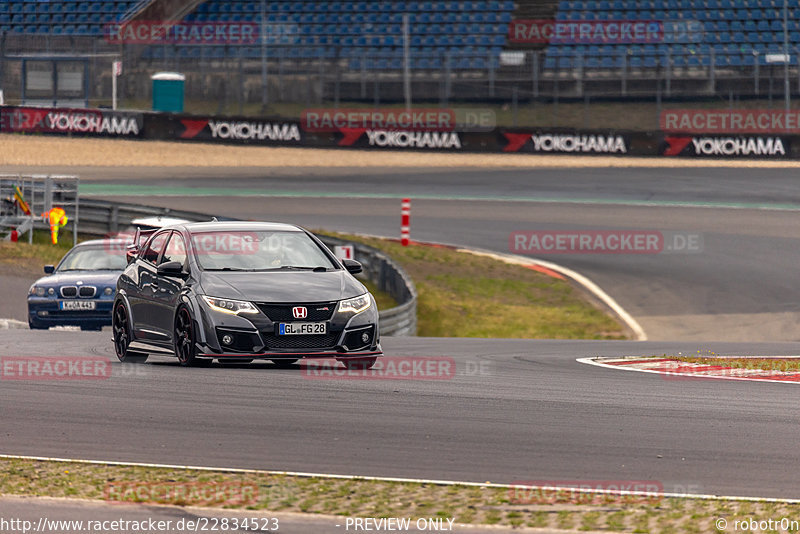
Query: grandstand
[318,49]
[729,33]
[57,18]
[370,33]
[732,33]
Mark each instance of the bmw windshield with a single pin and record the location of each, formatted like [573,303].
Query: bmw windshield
[106,258]
[259,251]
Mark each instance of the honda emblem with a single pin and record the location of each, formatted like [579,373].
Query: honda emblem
[300,312]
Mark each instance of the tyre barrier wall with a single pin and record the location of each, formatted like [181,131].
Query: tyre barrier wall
[102,217]
[281,132]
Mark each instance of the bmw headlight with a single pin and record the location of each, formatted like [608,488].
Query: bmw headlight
[36,290]
[355,305]
[108,291]
[230,306]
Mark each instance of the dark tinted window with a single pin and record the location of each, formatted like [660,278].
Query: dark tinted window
[155,247]
[176,249]
[258,250]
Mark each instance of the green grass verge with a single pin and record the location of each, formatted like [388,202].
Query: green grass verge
[363,498]
[464,295]
[34,256]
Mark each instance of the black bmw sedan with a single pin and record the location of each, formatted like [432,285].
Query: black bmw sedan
[238,291]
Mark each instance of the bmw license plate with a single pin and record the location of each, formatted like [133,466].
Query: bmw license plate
[293,329]
[77,305]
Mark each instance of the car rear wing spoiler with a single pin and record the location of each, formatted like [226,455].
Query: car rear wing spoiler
[139,239]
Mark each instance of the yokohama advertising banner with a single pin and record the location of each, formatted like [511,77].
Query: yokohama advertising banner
[255,131]
[88,122]
[412,140]
[726,146]
[551,142]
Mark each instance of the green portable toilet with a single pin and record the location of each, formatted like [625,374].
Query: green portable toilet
[168,91]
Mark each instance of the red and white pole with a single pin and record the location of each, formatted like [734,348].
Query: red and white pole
[405,223]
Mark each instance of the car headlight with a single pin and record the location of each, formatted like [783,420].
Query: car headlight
[36,290]
[230,306]
[355,305]
[108,291]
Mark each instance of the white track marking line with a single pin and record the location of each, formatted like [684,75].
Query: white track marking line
[680,376]
[405,480]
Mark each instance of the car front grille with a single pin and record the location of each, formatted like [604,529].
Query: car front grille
[318,342]
[69,291]
[87,291]
[283,312]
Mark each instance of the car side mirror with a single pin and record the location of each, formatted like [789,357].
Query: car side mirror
[130,253]
[352,266]
[49,269]
[171,268]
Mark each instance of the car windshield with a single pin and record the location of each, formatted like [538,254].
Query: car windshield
[97,258]
[258,251]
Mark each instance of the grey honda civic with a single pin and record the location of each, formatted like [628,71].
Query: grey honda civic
[239,291]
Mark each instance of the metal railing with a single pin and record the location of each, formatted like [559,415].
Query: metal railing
[40,193]
[104,217]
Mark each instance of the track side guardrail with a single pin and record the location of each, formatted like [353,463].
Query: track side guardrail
[391,278]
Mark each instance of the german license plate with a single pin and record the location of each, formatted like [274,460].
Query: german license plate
[77,305]
[294,329]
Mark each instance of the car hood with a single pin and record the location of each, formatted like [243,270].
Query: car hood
[288,287]
[88,278]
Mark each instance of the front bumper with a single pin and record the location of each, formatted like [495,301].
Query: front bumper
[44,312]
[297,355]
[257,336]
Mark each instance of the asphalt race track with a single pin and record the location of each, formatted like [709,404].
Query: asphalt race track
[740,287]
[518,410]
[515,411]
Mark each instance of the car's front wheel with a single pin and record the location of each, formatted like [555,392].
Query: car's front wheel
[359,363]
[184,338]
[121,329]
